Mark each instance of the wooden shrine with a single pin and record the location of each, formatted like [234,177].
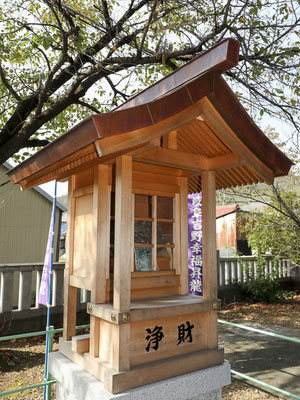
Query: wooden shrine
[129,174]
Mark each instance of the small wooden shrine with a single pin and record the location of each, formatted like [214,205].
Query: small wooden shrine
[129,174]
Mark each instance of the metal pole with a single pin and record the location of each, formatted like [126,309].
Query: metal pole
[49,297]
[23,389]
[50,334]
[40,333]
[249,328]
[294,396]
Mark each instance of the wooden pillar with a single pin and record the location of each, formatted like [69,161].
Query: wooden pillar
[101,226]
[209,235]
[120,336]
[154,234]
[123,249]
[101,222]
[123,238]
[184,270]
[94,336]
[209,250]
[177,234]
[70,292]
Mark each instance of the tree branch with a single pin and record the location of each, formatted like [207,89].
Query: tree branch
[106,14]
[89,106]
[8,86]
[17,120]
[115,90]
[268,99]
[283,203]
[43,92]
[35,143]
[146,29]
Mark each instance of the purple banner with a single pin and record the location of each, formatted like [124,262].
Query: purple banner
[195,243]
[44,286]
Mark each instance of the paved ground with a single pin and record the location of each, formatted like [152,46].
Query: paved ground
[271,360]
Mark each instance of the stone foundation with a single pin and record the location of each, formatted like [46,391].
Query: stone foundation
[73,383]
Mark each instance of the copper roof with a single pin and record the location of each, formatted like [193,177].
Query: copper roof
[211,126]
[221,211]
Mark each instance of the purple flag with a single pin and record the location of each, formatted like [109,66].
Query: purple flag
[44,286]
[195,243]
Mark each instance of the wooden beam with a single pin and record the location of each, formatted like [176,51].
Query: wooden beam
[132,229]
[110,159]
[189,161]
[128,140]
[154,234]
[101,226]
[230,160]
[209,235]
[217,124]
[107,157]
[72,164]
[173,158]
[176,234]
[170,140]
[80,344]
[70,292]
[123,238]
[94,336]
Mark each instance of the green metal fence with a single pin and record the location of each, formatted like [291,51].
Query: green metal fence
[48,381]
[51,331]
[249,378]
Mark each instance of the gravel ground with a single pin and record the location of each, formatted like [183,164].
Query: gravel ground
[22,364]
[239,391]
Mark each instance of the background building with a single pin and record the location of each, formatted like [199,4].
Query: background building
[229,219]
[24,222]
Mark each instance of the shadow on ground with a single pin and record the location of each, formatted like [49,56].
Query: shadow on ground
[274,361]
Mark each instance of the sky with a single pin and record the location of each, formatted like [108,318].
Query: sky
[62,188]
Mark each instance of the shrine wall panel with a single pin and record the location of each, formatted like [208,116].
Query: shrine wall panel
[106,342]
[84,178]
[155,182]
[181,335]
[83,236]
[149,284]
[157,339]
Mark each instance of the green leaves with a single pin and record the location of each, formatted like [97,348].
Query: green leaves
[135,50]
[273,230]
[46,43]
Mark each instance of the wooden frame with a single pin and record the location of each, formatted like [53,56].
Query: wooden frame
[101,220]
[70,292]
[158,144]
[155,220]
[123,226]
[117,322]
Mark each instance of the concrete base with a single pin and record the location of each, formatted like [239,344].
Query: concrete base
[73,383]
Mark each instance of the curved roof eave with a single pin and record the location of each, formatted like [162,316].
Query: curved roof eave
[232,111]
[169,111]
[115,123]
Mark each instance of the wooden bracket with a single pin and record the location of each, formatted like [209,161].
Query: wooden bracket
[107,313]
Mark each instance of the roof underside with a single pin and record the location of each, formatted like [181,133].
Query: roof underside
[212,132]
[198,138]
